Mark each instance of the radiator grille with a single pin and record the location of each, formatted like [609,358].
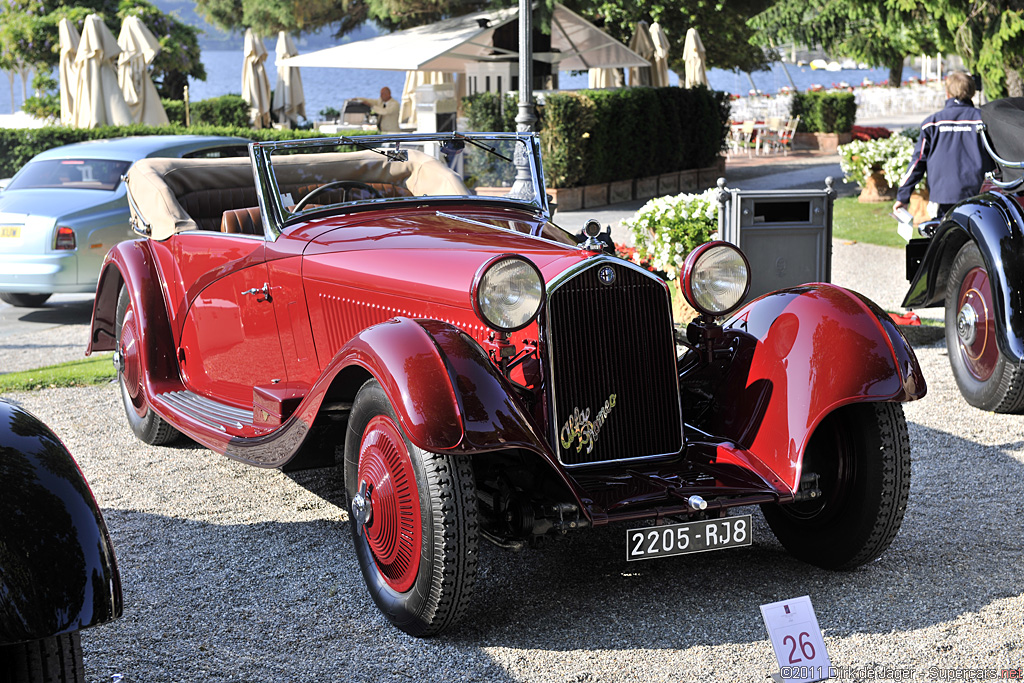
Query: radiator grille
[605,341]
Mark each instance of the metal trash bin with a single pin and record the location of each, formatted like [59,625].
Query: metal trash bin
[785,234]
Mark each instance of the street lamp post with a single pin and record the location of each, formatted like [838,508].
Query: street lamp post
[525,118]
[523,188]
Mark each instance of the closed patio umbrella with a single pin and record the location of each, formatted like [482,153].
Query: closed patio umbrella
[599,77]
[693,58]
[98,98]
[659,64]
[413,80]
[139,47]
[289,97]
[642,45]
[69,39]
[255,83]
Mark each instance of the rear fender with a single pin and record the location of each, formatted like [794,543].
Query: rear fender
[132,264]
[57,568]
[800,354]
[996,224]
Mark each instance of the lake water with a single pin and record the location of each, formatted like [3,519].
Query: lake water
[331,87]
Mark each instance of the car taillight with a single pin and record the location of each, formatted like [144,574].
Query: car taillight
[65,239]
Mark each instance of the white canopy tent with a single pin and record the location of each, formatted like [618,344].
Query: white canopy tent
[448,45]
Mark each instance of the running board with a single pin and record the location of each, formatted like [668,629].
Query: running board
[205,410]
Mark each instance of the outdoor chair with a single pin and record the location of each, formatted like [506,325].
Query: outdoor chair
[742,137]
[786,137]
[771,136]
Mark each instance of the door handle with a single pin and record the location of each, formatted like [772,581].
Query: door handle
[265,291]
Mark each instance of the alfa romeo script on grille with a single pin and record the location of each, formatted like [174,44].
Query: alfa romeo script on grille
[687,537]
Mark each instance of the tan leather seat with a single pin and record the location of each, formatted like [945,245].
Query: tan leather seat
[242,221]
[206,206]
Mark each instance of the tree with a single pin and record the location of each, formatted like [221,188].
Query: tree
[987,34]
[722,25]
[29,38]
[730,47]
[865,30]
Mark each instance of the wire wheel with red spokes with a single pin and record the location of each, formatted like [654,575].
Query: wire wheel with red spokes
[413,515]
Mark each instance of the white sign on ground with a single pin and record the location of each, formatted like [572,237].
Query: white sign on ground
[797,641]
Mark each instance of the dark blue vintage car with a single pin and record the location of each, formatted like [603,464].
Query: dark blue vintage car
[57,569]
[971,261]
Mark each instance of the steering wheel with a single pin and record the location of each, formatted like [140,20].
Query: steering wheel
[338,184]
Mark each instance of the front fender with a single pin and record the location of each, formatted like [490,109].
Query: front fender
[57,568]
[447,393]
[995,223]
[800,354]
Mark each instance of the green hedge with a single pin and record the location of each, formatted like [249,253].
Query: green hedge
[18,145]
[226,110]
[824,112]
[597,136]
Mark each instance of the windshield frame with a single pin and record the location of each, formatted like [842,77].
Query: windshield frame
[277,217]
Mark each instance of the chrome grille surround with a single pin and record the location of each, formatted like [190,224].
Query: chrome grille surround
[611,338]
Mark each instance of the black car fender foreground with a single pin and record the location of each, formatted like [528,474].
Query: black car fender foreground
[58,573]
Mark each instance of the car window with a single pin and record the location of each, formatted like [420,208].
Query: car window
[225,152]
[84,174]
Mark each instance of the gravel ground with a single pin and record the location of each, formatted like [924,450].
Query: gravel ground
[233,573]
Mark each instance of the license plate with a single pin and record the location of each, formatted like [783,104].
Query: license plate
[688,537]
[12,231]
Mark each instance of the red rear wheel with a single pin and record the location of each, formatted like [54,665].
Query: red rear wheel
[147,425]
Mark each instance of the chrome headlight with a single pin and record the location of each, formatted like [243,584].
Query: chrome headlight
[508,293]
[716,277]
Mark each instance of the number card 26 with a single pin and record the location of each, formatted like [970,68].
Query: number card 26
[796,638]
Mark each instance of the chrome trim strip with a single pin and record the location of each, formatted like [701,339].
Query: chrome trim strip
[442,214]
[206,410]
[545,333]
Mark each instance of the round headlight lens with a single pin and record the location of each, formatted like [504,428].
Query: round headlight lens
[715,279]
[508,293]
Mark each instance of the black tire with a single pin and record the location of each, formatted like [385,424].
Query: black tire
[148,426]
[862,455]
[24,300]
[57,659]
[423,582]
[986,378]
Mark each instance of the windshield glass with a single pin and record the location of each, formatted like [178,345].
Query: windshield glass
[342,173]
[80,174]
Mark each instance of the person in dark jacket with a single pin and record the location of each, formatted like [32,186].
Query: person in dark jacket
[949,150]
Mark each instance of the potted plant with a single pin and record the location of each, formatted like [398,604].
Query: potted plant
[876,165]
[666,229]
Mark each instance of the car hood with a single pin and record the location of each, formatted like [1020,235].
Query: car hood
[431,256]
[56,202]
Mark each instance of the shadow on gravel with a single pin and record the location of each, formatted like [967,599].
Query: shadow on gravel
[56,313]
[286,600]
[958,550]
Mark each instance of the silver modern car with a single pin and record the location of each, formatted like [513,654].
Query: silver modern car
[64,210]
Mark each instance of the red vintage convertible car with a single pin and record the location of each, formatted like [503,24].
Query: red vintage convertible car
[406,306]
